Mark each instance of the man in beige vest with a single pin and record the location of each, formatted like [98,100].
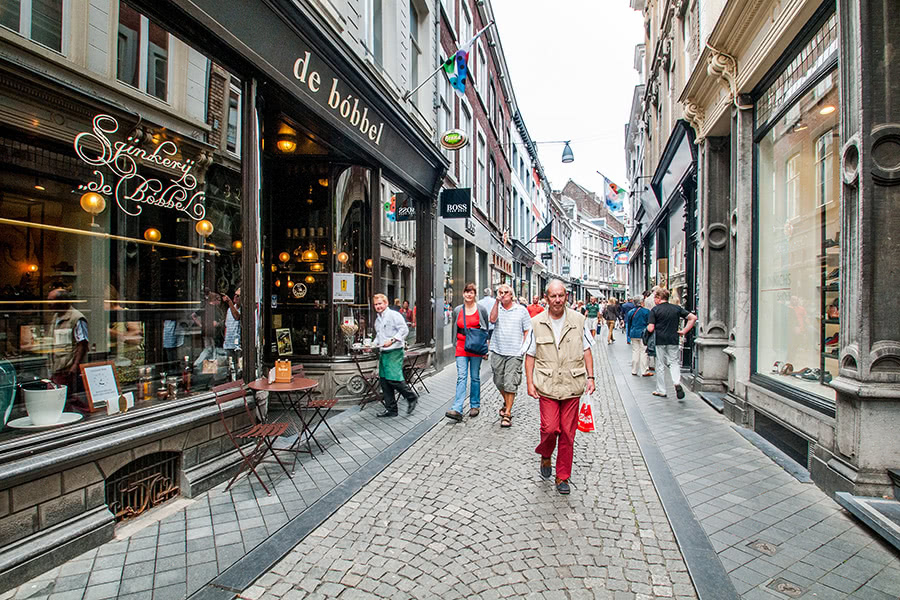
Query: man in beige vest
[559,369]
[69,332]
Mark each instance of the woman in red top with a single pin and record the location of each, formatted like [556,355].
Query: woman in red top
[475,317]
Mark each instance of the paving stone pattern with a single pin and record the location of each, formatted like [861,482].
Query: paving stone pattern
[465,514]
[174,557]
[776,537]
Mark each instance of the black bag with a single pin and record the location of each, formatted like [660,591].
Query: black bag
[645,337]
[476,339]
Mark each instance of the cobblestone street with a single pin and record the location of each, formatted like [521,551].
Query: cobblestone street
[465,514]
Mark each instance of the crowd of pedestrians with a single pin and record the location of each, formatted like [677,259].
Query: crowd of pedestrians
[551,341]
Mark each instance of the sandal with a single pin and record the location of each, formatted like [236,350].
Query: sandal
[506,421]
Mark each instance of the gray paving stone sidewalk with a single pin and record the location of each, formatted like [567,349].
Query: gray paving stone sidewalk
[171,557]
[811,547]
[464,514]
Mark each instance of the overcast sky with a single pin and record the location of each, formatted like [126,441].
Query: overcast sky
[572,69]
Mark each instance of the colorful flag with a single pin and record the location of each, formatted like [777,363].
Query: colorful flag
[457,65]
[613,194]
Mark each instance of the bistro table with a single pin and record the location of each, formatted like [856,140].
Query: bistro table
[298,392]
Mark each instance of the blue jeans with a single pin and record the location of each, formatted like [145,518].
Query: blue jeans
[464,364]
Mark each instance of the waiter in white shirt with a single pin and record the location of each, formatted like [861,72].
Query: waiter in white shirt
[390,333]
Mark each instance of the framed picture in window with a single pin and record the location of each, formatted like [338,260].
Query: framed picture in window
[100,383]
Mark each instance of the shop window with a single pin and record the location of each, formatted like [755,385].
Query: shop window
[481,72]
[798,257]
[100,271]
[38,20]
[142,53]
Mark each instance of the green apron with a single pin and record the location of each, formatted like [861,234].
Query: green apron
[390,365]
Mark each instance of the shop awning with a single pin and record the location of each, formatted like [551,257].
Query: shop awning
[593,291]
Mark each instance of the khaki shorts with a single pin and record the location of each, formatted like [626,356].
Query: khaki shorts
[507,371]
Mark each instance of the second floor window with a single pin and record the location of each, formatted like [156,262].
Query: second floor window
[374,38]
[415,50]
[142,53]
[233,130]
[38,20]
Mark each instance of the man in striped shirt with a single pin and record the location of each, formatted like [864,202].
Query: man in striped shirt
[511,323]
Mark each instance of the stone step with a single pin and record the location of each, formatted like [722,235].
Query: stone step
[882,515]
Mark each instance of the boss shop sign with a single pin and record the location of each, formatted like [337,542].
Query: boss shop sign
[456,204]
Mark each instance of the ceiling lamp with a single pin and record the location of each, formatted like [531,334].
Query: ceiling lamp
[343,257]
[204,228]
[152,234]
[317,267]
[310,254]
[284,257]
[309,279]
[567,155]
[237,244]
[38,186]
[93,203]
[286,143]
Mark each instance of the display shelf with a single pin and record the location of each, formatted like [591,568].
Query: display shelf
[832,321]
[831,355]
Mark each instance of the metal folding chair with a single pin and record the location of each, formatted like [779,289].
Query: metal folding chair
[261,435]
[371,385]
[416,363]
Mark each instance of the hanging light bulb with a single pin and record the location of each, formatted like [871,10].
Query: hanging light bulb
[567,155]
[368,263]
[94,204]
[309,198]
[310,254]
[38,186]
[152,234]
[290,283]
[284,257]
[204,228]
[309,279]
[237,244]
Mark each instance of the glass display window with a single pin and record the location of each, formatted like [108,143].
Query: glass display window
[798,251]
[398,254]
[133,262]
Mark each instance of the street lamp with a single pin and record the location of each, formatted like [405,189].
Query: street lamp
[567,155]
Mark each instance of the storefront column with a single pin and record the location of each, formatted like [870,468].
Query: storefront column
[740,229]
[252,332]
[714,269]
[868,385]
[426,251]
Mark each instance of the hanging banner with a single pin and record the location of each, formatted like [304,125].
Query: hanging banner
[456,204]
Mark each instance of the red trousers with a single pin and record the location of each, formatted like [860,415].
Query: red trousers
[559,418]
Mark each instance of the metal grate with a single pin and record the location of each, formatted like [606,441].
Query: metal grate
[814,54]
[143,484]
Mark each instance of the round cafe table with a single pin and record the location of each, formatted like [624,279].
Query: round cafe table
[296,393]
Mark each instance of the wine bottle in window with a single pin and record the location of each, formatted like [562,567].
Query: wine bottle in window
[324,349]
[314,348]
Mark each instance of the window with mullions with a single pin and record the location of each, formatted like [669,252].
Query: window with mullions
[142,53]
[38,20]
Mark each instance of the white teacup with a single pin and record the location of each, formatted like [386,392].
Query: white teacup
[45,407]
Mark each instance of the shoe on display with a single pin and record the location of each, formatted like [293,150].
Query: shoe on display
[832,341]
[832,287]
[832,312]
[830,243]
[836,272]
[812,375]
[776,368]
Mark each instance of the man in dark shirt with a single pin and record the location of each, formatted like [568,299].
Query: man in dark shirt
[664,321]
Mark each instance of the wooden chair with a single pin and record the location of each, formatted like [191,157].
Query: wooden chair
[261,435]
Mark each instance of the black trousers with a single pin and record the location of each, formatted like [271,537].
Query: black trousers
[388,386]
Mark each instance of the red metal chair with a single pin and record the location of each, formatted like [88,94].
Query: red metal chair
[371,386]
[261,435]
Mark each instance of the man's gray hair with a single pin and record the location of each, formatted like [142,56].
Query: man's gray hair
[551,282]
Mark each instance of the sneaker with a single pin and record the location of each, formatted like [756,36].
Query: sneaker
[679,391]
[836,272]
[832,287]
[562,486]
[387,413]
